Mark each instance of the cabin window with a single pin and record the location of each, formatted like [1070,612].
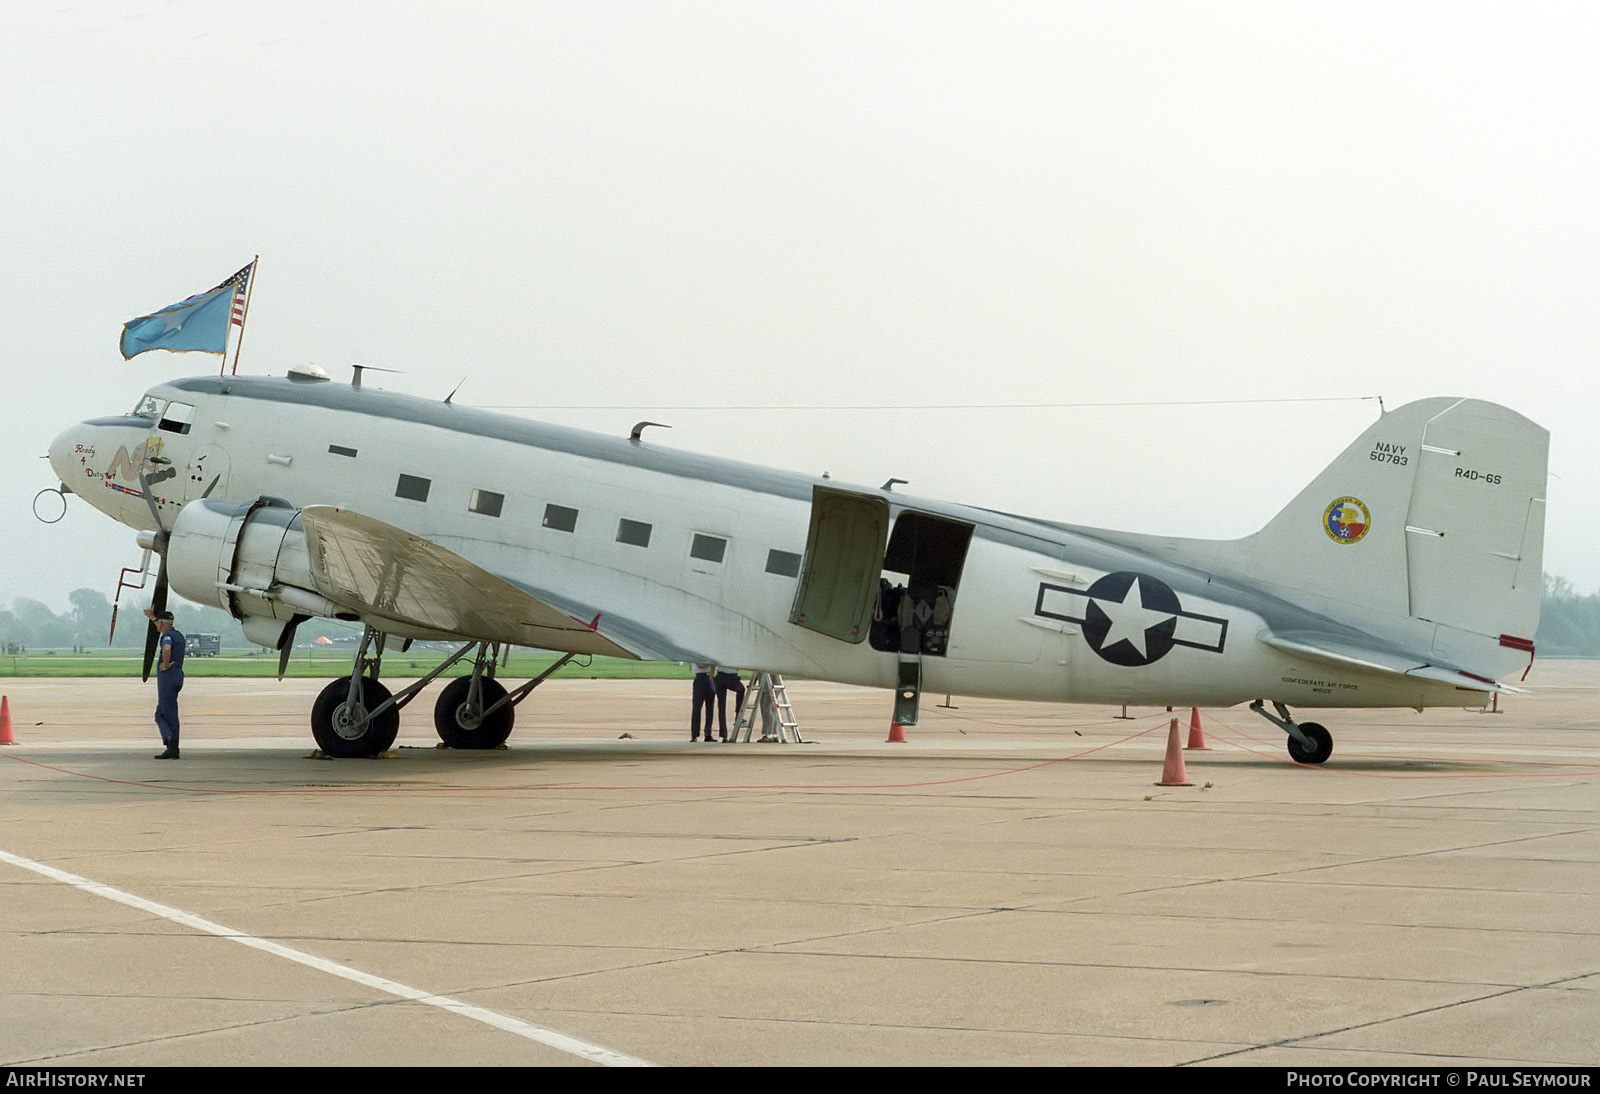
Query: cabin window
[710,548]
[486,502]
[177,418]
[412,488]
[341,450]
[560,518]
[633,532]
[783,563]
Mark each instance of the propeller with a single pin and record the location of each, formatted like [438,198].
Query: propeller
[158,604]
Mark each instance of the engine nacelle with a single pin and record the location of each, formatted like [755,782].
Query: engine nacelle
[250,559]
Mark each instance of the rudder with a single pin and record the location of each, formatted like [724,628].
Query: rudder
[1475,527]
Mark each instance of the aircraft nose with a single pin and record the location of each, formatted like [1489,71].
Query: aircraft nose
[65,453]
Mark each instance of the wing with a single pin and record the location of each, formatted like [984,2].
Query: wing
[412,584]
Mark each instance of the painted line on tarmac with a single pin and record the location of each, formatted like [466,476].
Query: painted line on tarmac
[559,1041]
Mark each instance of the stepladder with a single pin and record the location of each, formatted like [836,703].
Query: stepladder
[767,700]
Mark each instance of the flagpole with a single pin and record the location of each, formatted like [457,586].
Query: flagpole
[248,293]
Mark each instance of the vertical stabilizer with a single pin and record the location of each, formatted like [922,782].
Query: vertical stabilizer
[1435,514]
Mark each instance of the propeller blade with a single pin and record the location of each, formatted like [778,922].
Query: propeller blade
[287,648]
[151,637]
[158,604]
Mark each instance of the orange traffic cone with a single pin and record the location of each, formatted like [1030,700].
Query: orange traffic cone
[1197,739]
[1173,772]
[897,733]
[5,721]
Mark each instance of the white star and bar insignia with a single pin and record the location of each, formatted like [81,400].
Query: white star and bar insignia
[1131,619]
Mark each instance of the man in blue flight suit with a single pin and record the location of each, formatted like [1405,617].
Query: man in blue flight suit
[169,681]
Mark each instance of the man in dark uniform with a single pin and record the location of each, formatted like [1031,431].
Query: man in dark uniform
[169,680]
[704,694]
[726,680]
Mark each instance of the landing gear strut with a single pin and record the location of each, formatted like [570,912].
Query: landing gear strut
[357,716]
[1309,743]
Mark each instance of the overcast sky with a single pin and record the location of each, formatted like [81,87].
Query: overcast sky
[596,213]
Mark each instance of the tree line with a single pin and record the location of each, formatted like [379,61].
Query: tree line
[1569,623]
[86,624]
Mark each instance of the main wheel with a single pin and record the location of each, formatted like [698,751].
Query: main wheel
[1321,739]
[462,725]
[341,732]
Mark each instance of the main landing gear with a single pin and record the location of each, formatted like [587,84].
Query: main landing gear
[358,716]
[1309,743]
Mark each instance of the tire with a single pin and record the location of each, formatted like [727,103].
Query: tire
[460,728]
[361,736]
[1321,739]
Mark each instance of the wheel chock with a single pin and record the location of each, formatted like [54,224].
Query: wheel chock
[1173,772]
[1197,738]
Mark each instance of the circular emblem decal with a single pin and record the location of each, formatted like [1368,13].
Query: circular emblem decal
[1131,618]
[1346,520]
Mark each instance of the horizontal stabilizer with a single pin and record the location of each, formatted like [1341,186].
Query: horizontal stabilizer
[1387,662]
[379,570]
[1465,680]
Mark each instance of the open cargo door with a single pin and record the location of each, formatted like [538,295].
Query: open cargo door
[843,561]
[930,552]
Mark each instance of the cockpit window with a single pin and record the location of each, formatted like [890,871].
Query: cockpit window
[177,418]
[150,407]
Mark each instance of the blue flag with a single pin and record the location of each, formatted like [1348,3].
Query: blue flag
[199,323]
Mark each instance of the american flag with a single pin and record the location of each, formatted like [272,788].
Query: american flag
[240,283]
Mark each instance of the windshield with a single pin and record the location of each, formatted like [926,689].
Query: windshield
[150,407]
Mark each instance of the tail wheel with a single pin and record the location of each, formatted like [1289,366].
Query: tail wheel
[464,725]
[343,732]
[1322,745]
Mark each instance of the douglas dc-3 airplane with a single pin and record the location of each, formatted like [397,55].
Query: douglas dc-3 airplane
[1407,574]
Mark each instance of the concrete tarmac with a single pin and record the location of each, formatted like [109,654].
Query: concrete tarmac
[1008,887]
